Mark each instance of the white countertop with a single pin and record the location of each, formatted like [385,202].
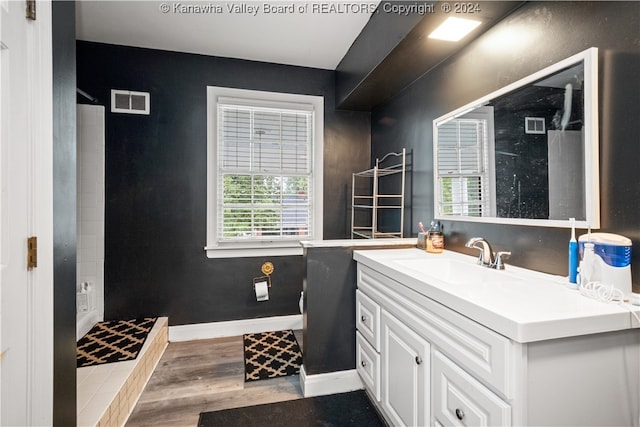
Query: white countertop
[521,304]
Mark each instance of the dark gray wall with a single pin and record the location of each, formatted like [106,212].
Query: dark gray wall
[329,317]
[330,283]
[533,37]
[64,213]
[155,222]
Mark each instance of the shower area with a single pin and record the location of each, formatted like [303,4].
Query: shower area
[90,217]
[106,392]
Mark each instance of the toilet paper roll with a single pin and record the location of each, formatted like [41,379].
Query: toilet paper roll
[262,291]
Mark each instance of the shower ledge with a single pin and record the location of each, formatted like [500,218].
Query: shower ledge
[108,393]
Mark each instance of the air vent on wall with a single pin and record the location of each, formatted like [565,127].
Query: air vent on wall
[534,125]
[129,102]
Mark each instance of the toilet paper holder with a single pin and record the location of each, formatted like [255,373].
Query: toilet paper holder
[262,279]
[267,268]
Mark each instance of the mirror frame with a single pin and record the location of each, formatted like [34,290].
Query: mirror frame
[591,142]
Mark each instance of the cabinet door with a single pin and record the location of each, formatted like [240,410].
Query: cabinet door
[405,374]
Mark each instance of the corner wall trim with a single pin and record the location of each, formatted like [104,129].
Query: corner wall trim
[233,328]
[329,383]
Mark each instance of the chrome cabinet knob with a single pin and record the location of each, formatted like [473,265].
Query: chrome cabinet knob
[459,414]
[418,360]
[363,318]
[363,363]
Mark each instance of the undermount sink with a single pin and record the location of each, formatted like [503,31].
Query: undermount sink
[455,271]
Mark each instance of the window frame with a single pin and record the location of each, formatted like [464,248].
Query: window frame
[220,249]
[487,175]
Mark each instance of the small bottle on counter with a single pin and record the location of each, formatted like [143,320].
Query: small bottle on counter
[435,238]
[422,237]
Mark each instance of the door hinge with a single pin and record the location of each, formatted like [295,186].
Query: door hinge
[31,10]
[32,252]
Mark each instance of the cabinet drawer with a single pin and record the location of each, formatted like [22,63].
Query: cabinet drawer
[368,319]
[460,400]
[368,365]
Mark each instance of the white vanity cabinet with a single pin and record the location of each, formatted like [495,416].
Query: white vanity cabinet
[425,364]
[400,363]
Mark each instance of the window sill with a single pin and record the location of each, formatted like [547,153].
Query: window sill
[247,251]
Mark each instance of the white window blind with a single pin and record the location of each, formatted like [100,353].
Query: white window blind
[265,176]
[462,167]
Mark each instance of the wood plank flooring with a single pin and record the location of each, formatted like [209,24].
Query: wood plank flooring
[201,376]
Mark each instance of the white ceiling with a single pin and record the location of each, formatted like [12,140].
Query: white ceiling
[318,40]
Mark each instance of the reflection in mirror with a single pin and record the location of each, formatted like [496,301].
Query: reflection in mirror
[525,154]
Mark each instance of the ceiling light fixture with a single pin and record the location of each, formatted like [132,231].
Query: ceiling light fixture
[453,29]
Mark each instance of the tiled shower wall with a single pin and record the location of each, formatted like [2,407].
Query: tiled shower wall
[90,214]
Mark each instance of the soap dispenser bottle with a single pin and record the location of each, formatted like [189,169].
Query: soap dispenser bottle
[435,238]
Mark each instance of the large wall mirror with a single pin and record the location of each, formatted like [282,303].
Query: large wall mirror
[526,154]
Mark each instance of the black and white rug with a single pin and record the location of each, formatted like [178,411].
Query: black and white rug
[113,341]
[271,355]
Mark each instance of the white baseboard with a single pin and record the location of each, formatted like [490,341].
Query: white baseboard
[329,383]
[233,328]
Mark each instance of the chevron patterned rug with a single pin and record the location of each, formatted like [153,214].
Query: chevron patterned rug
[113,341]
[270,355]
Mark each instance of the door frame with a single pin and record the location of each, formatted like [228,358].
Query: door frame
[41,102]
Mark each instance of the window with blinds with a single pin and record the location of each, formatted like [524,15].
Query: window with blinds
[264,172]
[463,168]
[265,178]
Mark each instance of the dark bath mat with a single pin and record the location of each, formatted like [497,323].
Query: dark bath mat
[113,341]
[270,355]
[335,410]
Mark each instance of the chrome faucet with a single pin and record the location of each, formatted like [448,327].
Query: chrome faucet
[487,257]
[486,253]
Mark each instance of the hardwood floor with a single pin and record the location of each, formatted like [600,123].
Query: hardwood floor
[201,376]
